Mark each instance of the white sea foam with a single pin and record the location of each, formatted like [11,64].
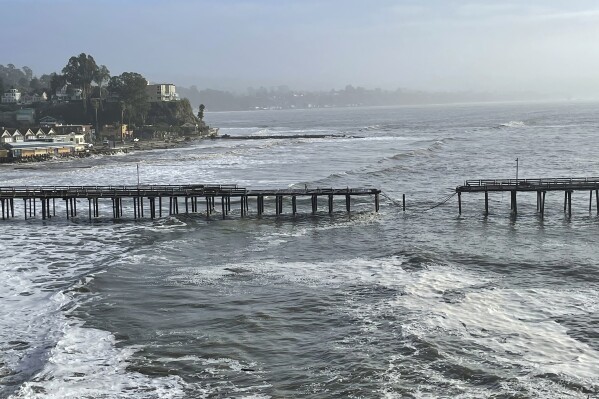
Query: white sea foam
[513,124]
[86,363]
[512,330]
[41,343]
[516,327]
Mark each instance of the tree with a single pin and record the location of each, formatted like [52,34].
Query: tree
[81,71]
[45,81]
[23,83]
[12,75]
[35,84]
[1,86]
[102,77]
[201,113]
[131,89]
[57,82]
[28,73]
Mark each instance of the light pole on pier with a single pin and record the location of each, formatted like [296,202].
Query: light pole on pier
[516,171]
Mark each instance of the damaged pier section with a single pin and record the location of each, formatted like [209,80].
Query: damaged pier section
[151,200]
[538,186]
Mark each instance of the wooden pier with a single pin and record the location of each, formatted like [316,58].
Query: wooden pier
[539,186]
[152,199]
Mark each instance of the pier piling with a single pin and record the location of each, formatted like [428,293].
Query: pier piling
[294,205]
[71,195]
[539,186]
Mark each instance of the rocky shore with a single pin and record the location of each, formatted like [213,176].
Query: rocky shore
[145,145]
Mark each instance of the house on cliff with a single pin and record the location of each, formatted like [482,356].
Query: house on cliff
[12,96]
[161,92]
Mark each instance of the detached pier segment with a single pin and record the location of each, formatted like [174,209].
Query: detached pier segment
[540,186]
[149,199]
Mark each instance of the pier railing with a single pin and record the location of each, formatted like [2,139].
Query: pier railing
[152,196]
[530,184]
[119,191]
[541,186]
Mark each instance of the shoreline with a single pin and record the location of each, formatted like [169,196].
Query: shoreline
[141,146]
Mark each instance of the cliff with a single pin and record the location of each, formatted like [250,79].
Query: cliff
[175,113]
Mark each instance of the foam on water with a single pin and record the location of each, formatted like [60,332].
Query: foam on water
[32,286]
[454,319]
[46,352]
[510,334]
[513,124]
[85,362]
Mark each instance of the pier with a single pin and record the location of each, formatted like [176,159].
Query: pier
[155,200]
[287,137]
[538,186]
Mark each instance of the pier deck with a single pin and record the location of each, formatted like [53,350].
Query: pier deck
[153,195]
[540,186]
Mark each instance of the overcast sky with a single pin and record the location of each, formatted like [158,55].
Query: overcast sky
[538,45]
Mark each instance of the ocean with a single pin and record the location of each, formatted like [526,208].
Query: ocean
[418,304]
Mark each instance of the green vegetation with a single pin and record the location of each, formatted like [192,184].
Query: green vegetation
[81,71]
[130,87]
[201,113]
[113,99]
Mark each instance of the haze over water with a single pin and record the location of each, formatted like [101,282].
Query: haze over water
[421,304]
[542,46]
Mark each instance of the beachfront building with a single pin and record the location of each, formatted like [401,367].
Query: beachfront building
[41,133]
[117,132]
[12,96]
[38,133]
[11,135]
[28,135]
[31,149]
[161,92]
[78,140]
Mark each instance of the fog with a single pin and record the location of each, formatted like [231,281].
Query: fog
[544,46]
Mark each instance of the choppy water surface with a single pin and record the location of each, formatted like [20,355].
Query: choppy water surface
[416,305]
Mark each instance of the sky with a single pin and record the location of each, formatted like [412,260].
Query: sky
[544,46]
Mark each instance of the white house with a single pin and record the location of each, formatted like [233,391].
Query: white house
[13,96]
[46,131]
[38,98]
[11,136]
[161,92]
[73,138]
[29,135]
[6,136]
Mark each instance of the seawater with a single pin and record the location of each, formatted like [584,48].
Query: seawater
[419,304]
